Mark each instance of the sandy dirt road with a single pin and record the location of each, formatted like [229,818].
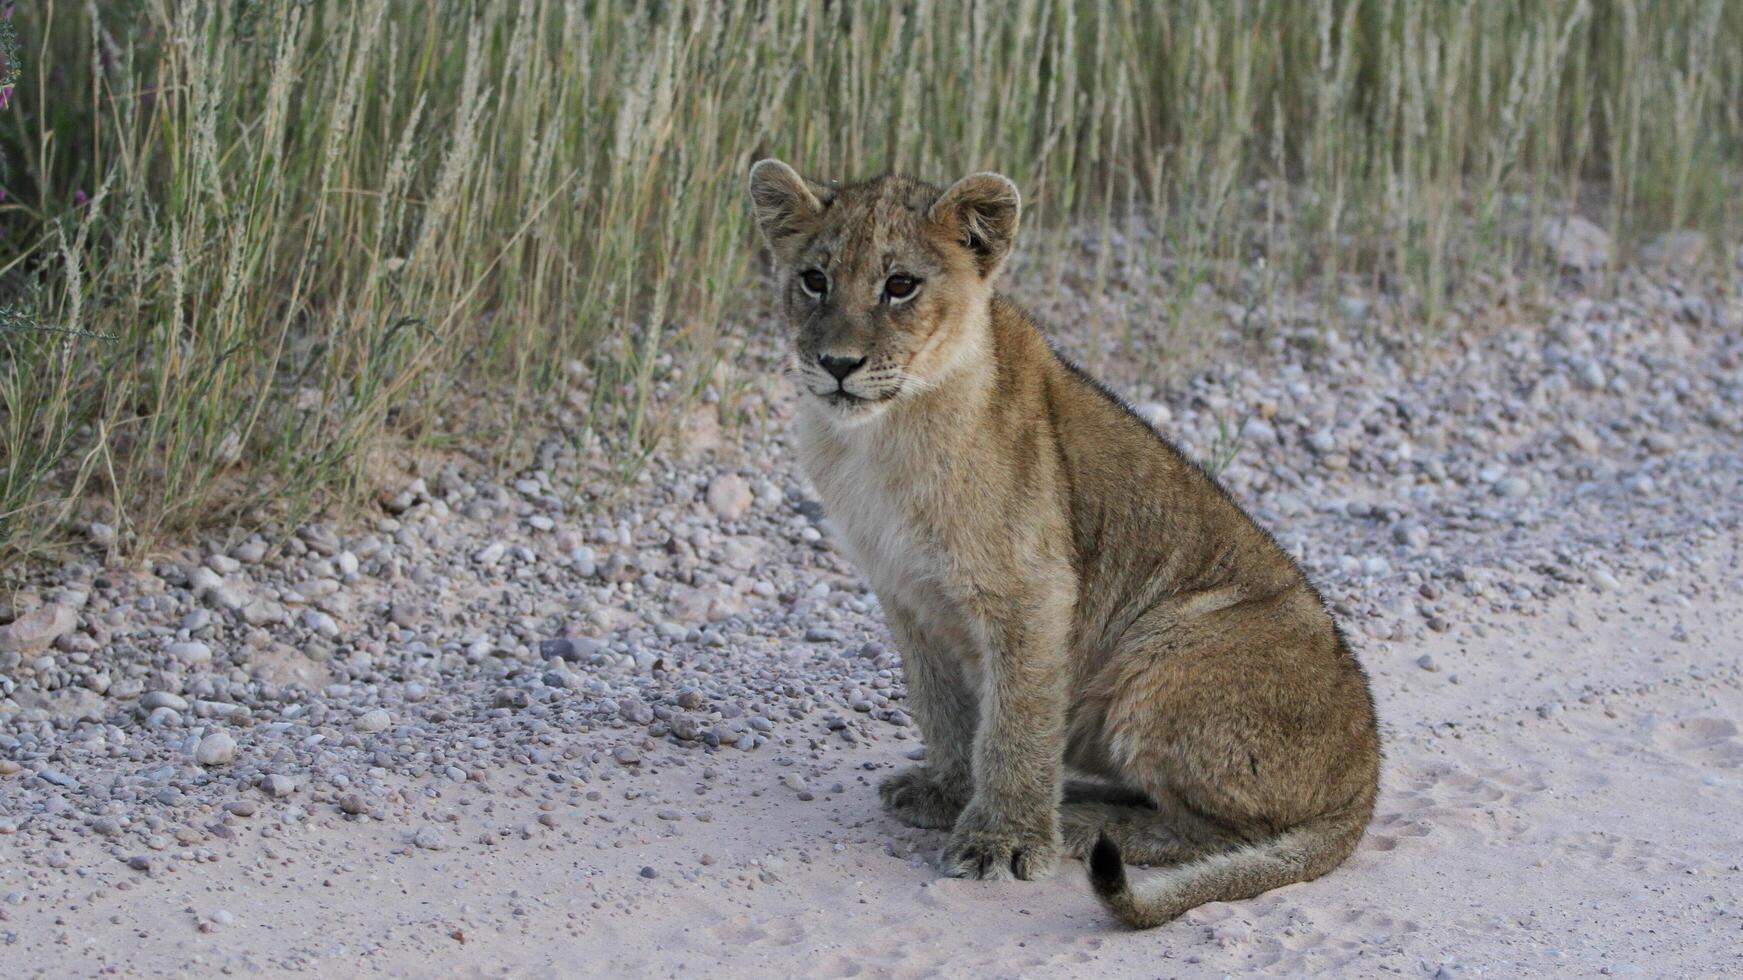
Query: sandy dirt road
[1561,797]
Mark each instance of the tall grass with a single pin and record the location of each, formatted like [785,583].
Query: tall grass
[242,244]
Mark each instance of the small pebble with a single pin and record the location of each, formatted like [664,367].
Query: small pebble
[277,786]
[375,720]
[216,749]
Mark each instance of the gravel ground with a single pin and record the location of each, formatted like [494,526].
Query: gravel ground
[597,668]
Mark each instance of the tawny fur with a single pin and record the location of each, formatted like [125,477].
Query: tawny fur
[1068,592]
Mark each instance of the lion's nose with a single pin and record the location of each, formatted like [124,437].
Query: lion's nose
[840,367]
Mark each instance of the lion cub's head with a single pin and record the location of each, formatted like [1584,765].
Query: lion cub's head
[884,284]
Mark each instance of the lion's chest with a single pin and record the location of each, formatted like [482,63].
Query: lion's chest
[878,528]
[890,524]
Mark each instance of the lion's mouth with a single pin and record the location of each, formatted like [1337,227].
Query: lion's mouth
[842,398]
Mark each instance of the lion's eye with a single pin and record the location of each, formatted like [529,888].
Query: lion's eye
[900,287]
[815,282]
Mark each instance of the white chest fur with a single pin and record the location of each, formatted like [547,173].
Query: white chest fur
[880,500]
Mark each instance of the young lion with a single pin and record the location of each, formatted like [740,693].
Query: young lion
[1066,589]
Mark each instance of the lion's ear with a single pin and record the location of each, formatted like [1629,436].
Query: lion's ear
[980,212]
[787,207]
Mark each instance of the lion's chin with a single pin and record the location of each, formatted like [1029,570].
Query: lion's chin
[849,411]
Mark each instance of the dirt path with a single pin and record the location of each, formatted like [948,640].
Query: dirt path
[1564,801]
[507,725]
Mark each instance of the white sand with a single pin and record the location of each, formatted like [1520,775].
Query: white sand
[1563,797]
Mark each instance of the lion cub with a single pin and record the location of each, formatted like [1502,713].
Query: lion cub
[1068,592]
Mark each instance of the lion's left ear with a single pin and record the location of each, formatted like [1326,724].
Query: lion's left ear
[980,212]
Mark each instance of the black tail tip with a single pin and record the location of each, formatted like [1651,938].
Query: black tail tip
[1107,869]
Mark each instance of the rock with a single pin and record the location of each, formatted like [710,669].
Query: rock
[262,612]
[430,839]
[352,804]
[163,718]
[561,648]
[220,709]
[203,580]
[1426,662]
[375,720]
[1258,431]
[1411,535]
[140,862]
[729,496]
[319,538]
[36,631]
[490,554]
[1575,243]
[163,699]
[1512,487]
[249,552]
[649,872]
[1578,438]
[102,535]
[277,786]
[321,623]
[190,652]
[54,777]
[626,755]
[216,749]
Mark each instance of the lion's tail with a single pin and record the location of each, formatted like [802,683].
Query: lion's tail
[1300,853]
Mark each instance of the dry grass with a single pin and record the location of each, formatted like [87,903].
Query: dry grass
[242,243]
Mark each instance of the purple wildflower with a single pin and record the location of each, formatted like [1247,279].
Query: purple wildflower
[80,198]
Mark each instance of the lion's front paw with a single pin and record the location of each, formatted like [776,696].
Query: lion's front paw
[992,849]
[914,797]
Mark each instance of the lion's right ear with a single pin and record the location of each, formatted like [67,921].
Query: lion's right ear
[787,206]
